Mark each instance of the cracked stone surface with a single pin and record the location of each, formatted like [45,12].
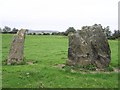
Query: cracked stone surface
[89,46]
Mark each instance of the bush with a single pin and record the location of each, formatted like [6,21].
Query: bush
[34,33]
[39,34]
[46,33]
[29,33]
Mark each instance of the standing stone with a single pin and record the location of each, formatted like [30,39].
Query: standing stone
[17,48]
[89,46]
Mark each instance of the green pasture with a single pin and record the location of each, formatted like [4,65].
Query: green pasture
[46,52]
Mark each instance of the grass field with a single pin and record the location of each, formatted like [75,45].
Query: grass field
[47,52]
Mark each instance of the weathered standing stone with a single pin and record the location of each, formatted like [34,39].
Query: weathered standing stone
[89,46]
[17,48]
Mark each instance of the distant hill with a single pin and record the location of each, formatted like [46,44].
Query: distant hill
[42,31]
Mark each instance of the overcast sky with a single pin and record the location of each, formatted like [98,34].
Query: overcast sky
[58,14]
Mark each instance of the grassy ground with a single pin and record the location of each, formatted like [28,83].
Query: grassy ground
[47,52]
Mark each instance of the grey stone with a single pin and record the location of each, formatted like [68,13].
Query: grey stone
[89,46]
[17,48]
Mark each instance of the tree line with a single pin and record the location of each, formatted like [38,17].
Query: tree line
[106,30]
[7,29]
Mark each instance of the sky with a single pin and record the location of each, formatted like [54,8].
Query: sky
[58,15]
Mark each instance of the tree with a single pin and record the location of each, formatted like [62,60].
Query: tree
[70,29]
[29,33]
[6,29]
[39,34]
[0,30]
[34,33]
[116,34]
[46,33]
[14,30]
[27,30]
[107,31]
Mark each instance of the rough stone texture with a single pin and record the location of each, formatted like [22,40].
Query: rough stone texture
[89,46]
[17,48]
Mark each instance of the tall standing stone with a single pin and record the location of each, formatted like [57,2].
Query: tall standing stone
[17,48]
[89,46]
